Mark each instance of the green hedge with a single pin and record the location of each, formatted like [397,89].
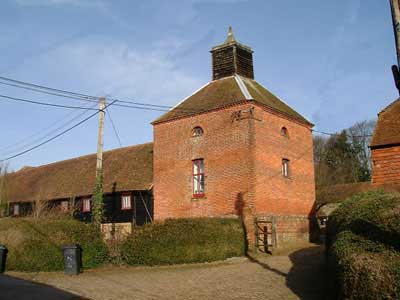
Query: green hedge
[184,241]
[363,247]
[35,244]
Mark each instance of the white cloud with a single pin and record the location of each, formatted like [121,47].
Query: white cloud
[109,67]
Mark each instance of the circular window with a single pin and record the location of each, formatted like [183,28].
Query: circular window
[197,131]
[284,132]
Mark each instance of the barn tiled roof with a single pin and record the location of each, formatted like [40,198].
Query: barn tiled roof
[125,169]
[387,130]
[227,91]
[340,192]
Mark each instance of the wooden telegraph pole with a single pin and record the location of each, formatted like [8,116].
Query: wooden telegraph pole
[395,6]
[98,189]
[100,142]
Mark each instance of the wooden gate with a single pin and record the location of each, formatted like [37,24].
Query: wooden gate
[265,234]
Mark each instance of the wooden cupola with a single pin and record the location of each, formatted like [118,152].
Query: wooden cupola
[232,58]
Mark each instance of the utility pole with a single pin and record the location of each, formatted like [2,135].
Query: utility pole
[395,7]
[100,142]
[98,203]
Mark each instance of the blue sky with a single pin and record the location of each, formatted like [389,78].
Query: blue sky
[330,60]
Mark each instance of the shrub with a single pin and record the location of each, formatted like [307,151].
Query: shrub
[362,244]
[184,241]
[36,244]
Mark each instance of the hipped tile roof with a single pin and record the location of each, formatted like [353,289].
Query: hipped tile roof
[225,92]
[124,169]
[387,130]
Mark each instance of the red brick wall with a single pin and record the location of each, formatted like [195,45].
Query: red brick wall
[225,148]
[276,194]
[243,160]
[386,165]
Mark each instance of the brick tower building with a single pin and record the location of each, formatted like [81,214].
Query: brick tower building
[234,149]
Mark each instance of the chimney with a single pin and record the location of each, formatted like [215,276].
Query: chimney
[232,58]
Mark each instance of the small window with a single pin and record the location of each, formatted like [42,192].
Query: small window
[198,178]
[285,167]
[86,205]
[284,132]
[126,202]
[64,206]
[197,131]
[16,209]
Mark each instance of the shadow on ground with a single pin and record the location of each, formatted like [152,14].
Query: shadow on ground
[12,288]
[307,277]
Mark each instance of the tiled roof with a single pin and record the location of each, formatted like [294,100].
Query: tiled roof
[339,192]
[125,169]
[227,91]
[387,130]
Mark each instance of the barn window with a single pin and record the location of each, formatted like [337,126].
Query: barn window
[198,178]
[197,131]
[64,206]
[284,132]
[126,202]
[285,167]
[86,205]
[16,210]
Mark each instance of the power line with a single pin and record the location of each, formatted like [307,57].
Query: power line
[152,105]
[79,96]
[54,137]
[45,103]
[46,92]
[127,104]
[114,128]
[45,135]
[48,88]
[348,135]
[138,107]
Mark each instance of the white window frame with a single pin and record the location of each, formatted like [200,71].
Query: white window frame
[198,178]
[16,209]
[285,167]
[126,201]
[86,205]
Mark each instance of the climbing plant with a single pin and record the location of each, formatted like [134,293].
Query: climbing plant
[98,200]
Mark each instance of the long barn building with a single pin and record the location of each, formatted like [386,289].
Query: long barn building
[230,149]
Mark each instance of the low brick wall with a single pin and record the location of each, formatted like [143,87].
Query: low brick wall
[116,231]
[290,229]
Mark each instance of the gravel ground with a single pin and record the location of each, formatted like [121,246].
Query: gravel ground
[296,275]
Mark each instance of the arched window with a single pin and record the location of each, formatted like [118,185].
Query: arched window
[197,131]
[284,132]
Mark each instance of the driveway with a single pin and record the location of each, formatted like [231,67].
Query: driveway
[17,289]
[297,275]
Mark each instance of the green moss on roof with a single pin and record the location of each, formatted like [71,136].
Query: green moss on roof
[265,97]
[215,94]
[125,169]
[224,92]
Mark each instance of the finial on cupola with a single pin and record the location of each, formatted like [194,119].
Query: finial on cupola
[230,38]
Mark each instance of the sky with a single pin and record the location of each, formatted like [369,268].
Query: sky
[329,60]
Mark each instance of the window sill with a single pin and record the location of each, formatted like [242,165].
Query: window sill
[130,208]
[198,197]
